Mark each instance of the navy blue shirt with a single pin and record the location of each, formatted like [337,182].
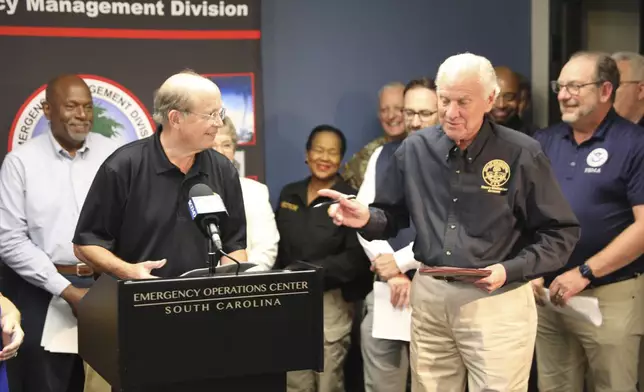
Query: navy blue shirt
[497,201]
[405,236]
[602,179]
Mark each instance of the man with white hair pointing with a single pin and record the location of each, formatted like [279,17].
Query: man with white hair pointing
[481,196]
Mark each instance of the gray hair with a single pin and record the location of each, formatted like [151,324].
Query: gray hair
[468,64]
[389,85]
[605,69]
[635,60]
[175,94]
[166,101]
[229,130]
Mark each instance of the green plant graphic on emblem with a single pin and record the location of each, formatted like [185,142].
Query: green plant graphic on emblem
[104,124]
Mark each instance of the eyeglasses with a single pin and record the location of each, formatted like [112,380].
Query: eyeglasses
[213,116]
[630,82]
[572,88]
[424,115]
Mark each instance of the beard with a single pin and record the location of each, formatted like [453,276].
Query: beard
[78,137]
[576,115]
[78,131]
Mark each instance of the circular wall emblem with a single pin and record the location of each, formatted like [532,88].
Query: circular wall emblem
[597,157]
[118,114]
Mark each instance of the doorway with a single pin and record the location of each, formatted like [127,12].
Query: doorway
[597,25]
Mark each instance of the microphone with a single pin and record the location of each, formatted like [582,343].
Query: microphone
[207,209]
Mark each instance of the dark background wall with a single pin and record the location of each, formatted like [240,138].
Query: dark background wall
[324,61]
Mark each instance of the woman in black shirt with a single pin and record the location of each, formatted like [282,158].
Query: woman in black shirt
[308,234]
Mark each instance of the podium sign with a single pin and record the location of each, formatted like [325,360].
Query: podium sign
[183,331]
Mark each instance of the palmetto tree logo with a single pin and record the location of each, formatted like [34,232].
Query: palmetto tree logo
[104,124]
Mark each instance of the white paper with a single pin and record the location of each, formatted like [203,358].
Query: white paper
[375,248]
[579,306]
[389,322]
[66,341]
[60,334]
[369,254]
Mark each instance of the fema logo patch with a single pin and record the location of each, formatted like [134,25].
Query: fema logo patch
[597,157]
[118,114]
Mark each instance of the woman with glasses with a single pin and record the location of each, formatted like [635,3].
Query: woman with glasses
[261,231]
[308,234]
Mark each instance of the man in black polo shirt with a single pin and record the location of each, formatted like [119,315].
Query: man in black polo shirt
[598,158]
[135,222]
[480,196]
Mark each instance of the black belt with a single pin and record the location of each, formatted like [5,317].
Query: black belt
[614,280]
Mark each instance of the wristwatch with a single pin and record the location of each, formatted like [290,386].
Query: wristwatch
[586,272]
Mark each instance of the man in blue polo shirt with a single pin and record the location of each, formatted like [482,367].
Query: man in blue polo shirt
[598,158]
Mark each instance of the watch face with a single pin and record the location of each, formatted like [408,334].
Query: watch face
[585,271]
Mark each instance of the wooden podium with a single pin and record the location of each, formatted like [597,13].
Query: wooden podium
[223,333]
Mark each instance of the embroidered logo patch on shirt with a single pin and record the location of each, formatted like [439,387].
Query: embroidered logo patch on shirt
[289,206]
[496,173]
[595,160]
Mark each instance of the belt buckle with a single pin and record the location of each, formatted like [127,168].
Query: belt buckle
[83,270]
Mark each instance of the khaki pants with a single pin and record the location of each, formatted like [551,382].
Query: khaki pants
[94,382]
[338,319]
[385,362]
[460,333]
[568,347]
[641,365]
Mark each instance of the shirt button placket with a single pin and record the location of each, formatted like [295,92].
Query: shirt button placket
[572,165]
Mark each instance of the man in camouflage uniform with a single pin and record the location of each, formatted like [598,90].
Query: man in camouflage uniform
[391,119]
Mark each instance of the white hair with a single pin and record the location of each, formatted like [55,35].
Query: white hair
[635,60]
[468,65]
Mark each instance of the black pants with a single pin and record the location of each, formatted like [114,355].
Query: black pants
[34,369]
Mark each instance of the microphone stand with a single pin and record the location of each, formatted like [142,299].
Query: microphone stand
[233,259]
[213,257]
